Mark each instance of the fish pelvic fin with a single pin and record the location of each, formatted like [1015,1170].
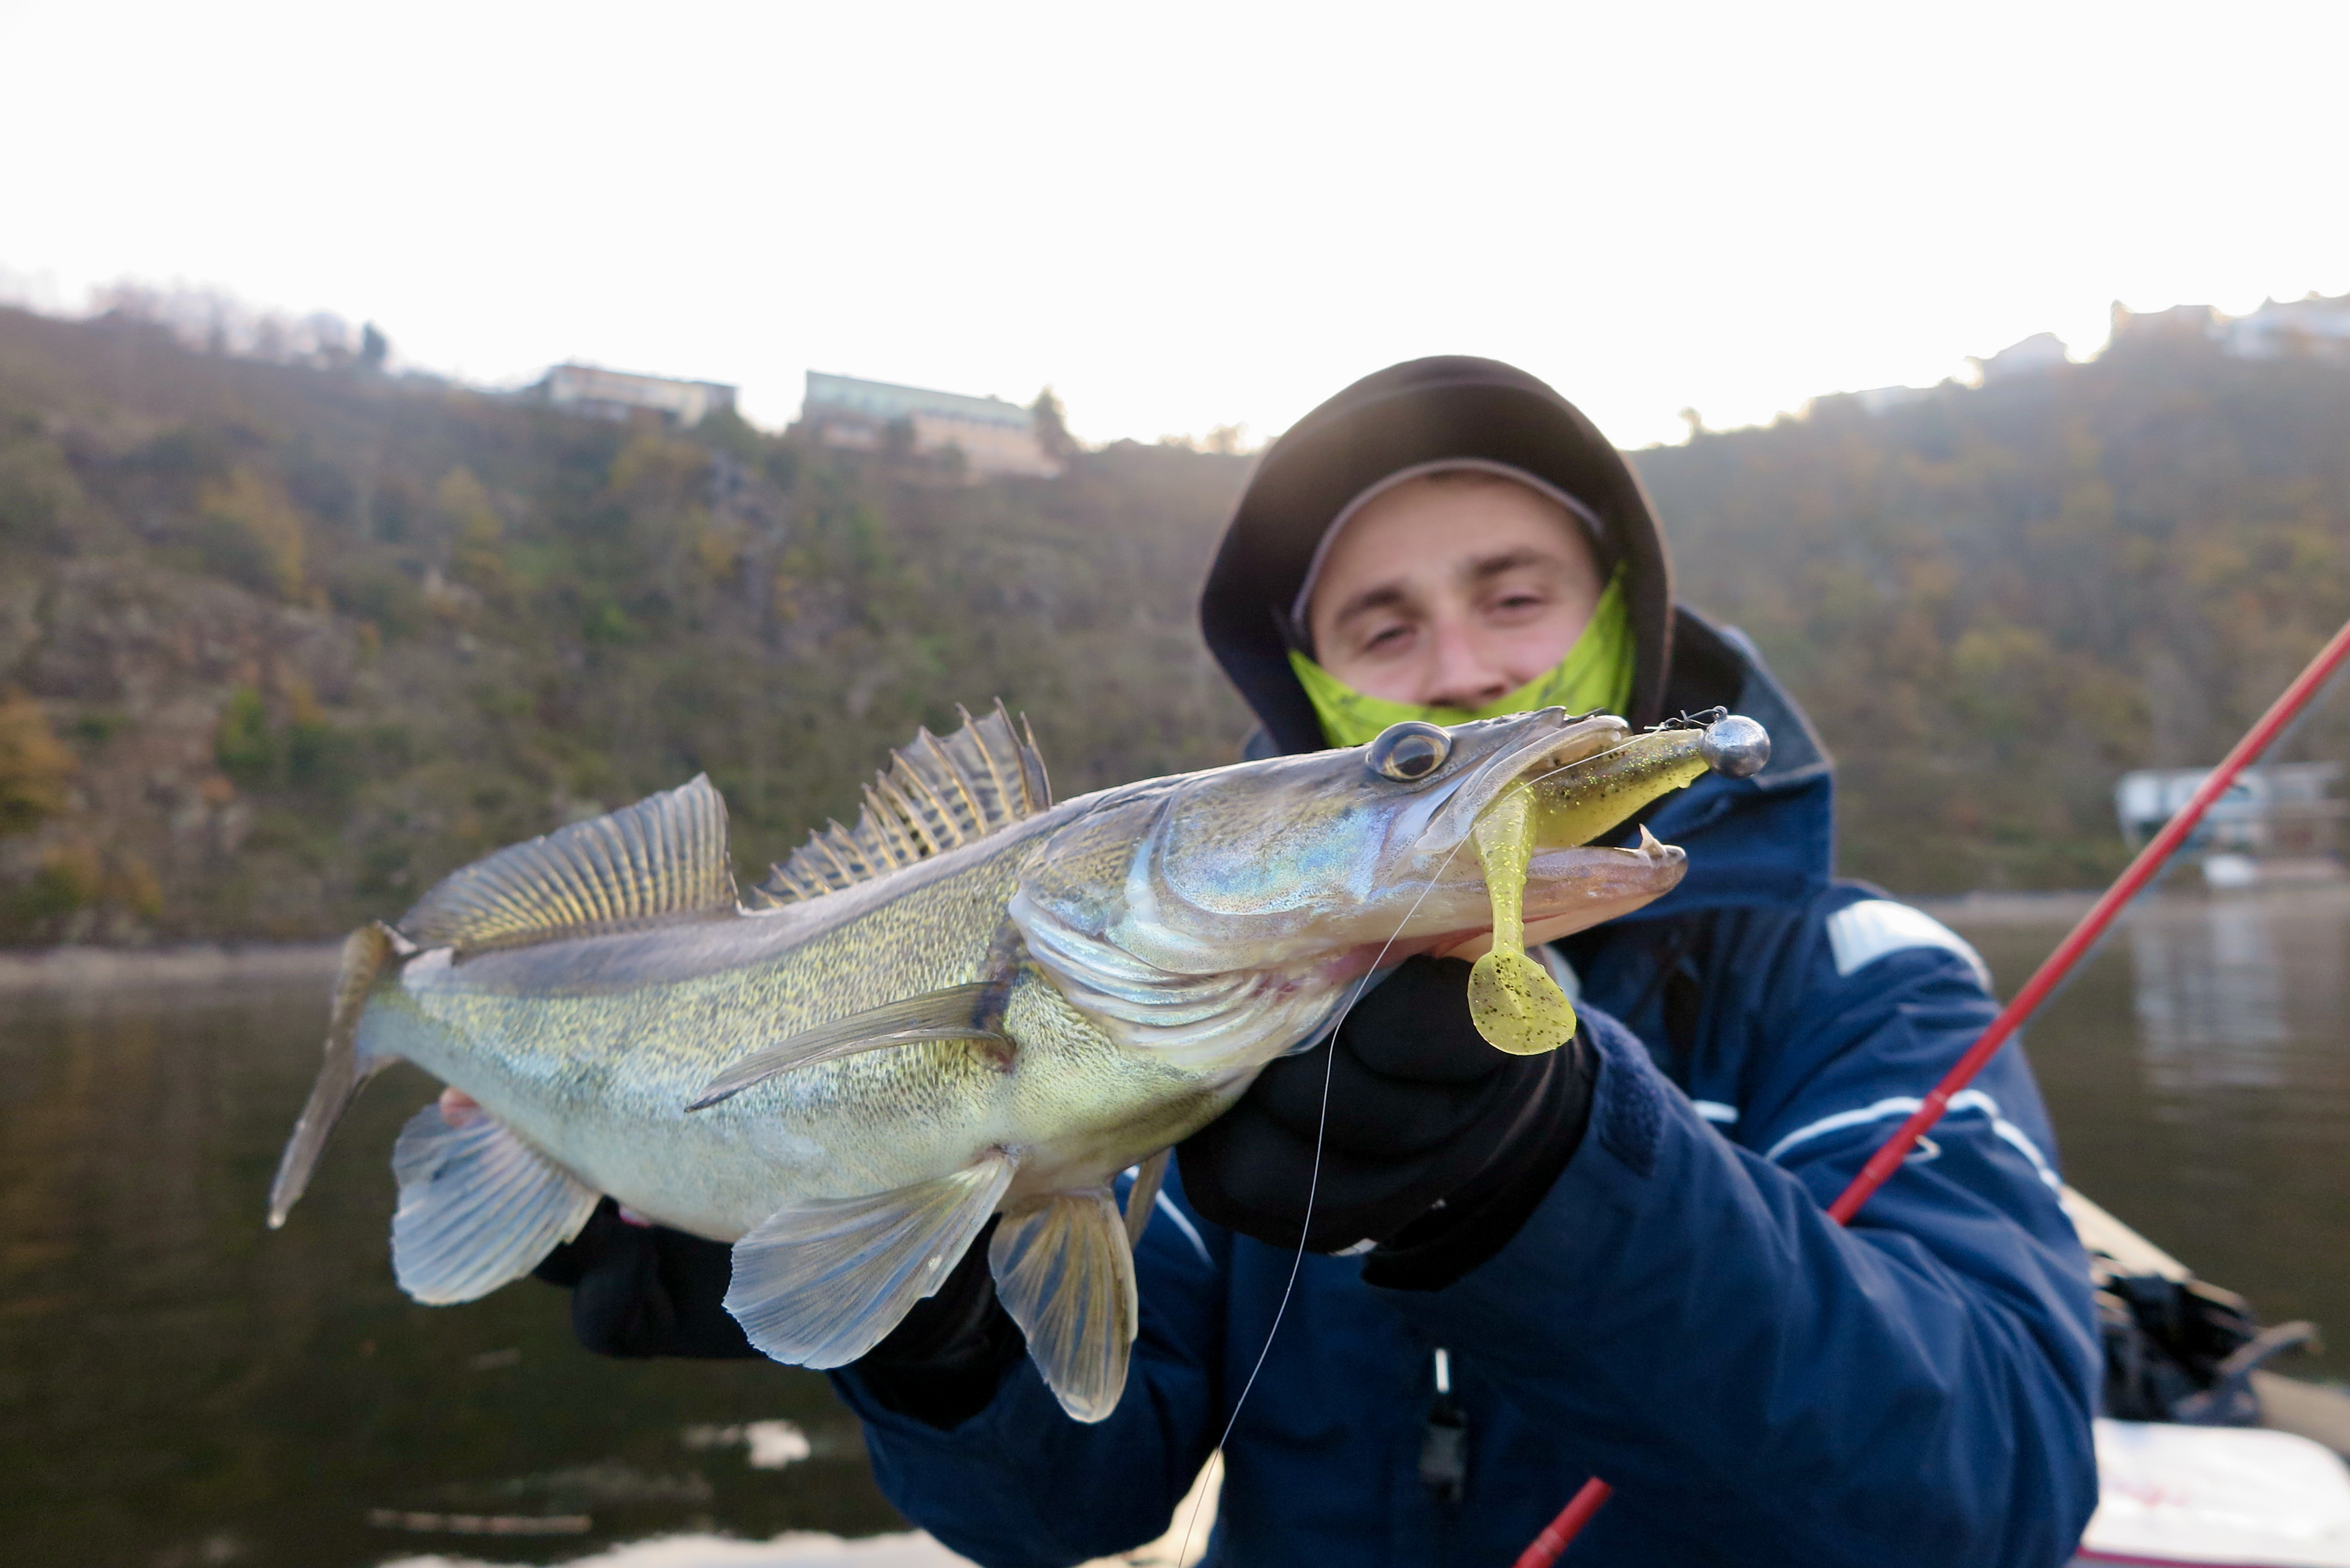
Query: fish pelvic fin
[1143,1196]
[958,1013]
[663,859]
[935,795]
[478,1208]
[819,1283]
[1065,1272]
[345,1071]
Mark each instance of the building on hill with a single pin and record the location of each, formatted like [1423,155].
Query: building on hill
[2313,326]
[618,395]
[2276,822]
[2035,356]
[994,437]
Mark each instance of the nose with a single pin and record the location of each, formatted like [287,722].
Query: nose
[1461,674]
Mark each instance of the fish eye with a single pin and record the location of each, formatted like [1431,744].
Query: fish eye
[1410,751]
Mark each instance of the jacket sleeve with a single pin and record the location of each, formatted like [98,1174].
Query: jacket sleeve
[1021,1485]
[1918,1389]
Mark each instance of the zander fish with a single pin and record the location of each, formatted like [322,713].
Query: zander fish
[974,1003]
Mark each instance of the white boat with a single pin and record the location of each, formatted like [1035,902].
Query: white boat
[2274,1494]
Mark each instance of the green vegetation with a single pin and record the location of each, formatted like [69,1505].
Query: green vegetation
[1995,601]
[302,641]
[280,646]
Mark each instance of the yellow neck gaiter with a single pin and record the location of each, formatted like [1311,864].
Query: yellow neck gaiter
[1595,673]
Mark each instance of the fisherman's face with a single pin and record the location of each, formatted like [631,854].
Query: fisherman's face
[1452,590]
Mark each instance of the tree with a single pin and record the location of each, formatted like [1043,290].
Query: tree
[1053,427]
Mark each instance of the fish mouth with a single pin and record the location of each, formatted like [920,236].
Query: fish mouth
[1548,741]
[1590,775]
[1603,882]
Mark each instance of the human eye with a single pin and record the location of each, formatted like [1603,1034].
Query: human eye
[1519,599]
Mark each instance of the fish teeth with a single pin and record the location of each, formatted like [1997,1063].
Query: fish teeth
[1651,846]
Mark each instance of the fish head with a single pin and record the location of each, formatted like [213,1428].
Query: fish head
[1355,858]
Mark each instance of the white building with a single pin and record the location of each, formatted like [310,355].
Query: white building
[2282,810]
[2314,325]
[617,394]
[994,437]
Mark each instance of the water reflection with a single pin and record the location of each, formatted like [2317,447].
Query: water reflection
[180,1385]
[2199,1073]
[2210,993]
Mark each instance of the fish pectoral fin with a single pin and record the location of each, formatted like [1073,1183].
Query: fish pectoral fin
[478,1208]
[1065,1273]
[345,1072]
[819,1283]
[1149,1178]
[953,1014]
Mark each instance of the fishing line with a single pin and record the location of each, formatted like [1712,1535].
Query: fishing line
[1313,1182]
[1322,1128]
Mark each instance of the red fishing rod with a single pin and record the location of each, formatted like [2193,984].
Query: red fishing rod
[1556,1535]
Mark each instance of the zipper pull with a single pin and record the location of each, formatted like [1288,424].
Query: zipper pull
[1444,1445]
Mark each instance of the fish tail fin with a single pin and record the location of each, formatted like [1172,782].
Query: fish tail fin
[345,1071]
[1065,1271]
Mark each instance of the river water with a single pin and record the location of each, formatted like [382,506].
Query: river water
[180,1387]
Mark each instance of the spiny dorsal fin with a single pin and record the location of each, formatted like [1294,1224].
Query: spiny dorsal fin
[663,857]
[934,795]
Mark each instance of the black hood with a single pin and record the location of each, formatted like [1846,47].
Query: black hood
[1409,414]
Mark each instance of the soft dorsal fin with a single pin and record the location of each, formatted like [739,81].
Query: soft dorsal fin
[934,795]
[663,857]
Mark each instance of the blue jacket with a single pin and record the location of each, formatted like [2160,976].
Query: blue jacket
[1679,1316]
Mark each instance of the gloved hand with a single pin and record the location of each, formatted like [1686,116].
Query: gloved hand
[1436,1146]
[640,1289]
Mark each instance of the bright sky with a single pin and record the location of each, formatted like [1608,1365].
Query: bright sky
[1182,215]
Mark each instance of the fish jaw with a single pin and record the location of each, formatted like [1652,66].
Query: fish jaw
[1567,890]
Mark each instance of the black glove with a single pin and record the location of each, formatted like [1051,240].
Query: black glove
[1437,1147]
[943,1364]
[646,1290]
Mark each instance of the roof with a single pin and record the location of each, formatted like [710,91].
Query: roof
[883,400]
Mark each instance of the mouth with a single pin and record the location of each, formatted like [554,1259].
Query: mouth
[1536,806]
[1589,777]
[1576,879]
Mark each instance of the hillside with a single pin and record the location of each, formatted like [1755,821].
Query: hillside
[283,645]
[1995,601]
[279,645]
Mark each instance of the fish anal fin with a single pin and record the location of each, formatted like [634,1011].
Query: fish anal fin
[959,1013]
[938,792]
[345,1071]
[819,1283]
[478,1208]
[664,857]
[1065,1272]
[1149,1178]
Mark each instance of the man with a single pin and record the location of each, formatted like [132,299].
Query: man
[1526,1271]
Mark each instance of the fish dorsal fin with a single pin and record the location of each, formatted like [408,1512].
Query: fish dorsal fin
[936,795]
[662,858]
